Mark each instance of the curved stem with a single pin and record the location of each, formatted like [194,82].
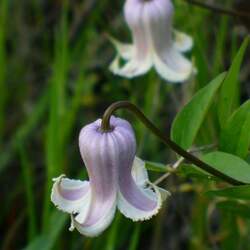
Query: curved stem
[219,9]
[105,126]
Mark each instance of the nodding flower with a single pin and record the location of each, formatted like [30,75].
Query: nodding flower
[155,43]
[117,178]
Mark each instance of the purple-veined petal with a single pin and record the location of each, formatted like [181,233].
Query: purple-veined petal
[70,195]
[134,201]
[94,229]
[101,154]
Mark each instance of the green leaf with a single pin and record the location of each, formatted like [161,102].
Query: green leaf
[229,88]
[230,165]
[189,120]
[235,137]
[191,171]
[240,192]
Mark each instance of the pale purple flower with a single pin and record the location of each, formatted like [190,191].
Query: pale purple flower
[155,43]
[116,179]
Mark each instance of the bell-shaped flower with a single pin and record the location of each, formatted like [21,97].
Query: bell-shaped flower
[116,179]
[155,43]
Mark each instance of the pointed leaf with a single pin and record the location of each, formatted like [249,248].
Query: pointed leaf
[230,86]
[188,121]
[235,137]
[230,165]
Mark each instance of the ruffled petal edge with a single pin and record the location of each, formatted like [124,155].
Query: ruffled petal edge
[147,188]
[131,212]
[97,228]
[70,195]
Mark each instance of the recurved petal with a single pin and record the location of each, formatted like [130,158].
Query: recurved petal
[167,59]
[132,68]
[140,175]
[94,229]
[172,66]
[139,172]
[138,199]
[115,65]
[124,50]
[70,195]
[141,203]
[182,41]
[137,56]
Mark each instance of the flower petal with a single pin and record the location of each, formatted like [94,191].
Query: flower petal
[133,68]
[182,41]
[141,203]
[124,50]
[94,229]
[140,175]
[100,154]
[138,56]
[168,61]
[135,200]
[70,195]
[139,172]
[172,66]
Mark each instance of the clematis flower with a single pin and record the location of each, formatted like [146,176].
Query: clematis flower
[155,43]
[116,179]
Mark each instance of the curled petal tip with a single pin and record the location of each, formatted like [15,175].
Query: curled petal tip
[138,198]
[69,195]
[182,41]
[72,227]
[140,214]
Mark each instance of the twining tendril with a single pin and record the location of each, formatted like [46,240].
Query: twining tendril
[105,126]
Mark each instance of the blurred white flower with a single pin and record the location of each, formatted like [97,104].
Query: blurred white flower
[155,43]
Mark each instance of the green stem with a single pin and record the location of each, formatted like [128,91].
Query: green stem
[165,139]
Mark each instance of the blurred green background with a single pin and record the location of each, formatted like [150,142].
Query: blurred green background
[54,79]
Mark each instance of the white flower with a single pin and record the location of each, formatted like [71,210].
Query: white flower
[155,43]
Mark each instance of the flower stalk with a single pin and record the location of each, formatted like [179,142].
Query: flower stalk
[218,9]
[105,126]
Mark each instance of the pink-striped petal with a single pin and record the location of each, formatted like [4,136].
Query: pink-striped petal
[99,154]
